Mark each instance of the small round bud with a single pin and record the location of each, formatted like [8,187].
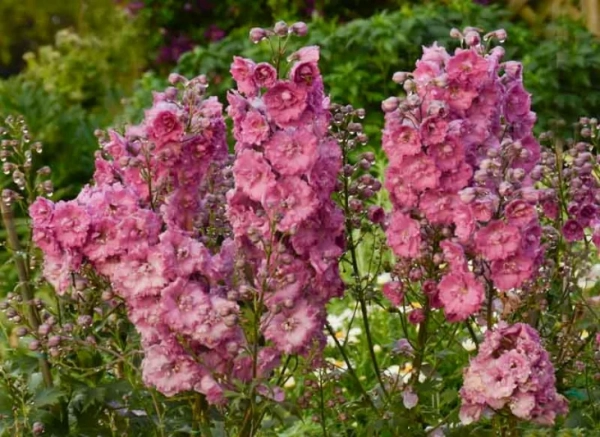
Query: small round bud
[281,28]
[38,428]
[399,77]
[257,34]
[34,345]
[472,38]
[21,331]
[43,329]
[300,28]
[54,341]
[390,104]
[455,33]
[84,320]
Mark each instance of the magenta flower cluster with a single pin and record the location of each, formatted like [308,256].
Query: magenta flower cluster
[141,226]
[284,221]
[186,250]
[511,371]
[460,147]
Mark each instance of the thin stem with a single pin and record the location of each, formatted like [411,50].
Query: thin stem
[421,342]
[24,285]
[322,404]
[349,366]
[472,334]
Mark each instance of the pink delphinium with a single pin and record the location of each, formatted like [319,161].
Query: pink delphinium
[286,226]
[511,371]
[142,225]
[458,167]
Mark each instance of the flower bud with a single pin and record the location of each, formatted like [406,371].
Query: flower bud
[300,28]
[472,38]
[400,76]
[38,428]
[281,28]
[257,34]
[455,33]
[390,104]
[43,329]
[54,341]
[34,345]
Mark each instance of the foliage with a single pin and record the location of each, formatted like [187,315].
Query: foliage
[394,358]
[73,87]
[359,57]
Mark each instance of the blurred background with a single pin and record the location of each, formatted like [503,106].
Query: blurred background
[73,66]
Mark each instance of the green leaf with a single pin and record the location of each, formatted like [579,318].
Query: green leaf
[47,396]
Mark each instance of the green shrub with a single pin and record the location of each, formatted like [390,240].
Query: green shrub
[73,87]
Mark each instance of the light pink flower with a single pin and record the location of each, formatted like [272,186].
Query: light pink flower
[253,174]
[292,151]
[264,75]
[498,240]
[242,71]
[285,103]
[403,235]
[460,294]
[254,128]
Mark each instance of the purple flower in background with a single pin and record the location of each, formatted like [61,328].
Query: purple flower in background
[176,47]
[214,33]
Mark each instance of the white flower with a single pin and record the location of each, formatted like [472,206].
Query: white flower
[469,345]
[591,278]
[384,278]
[290,383]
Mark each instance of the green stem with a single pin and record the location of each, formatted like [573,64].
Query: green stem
[421,342]
[24,286]
[350,368]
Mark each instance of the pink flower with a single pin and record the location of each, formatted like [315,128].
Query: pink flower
[464,221]
[517,102]
[416,316]
[253,174]
[163,122]
[290,202]
[401,193]
[41,211]
[448,154]
[242,71]
[404,235]
[456,179]
[520,213]
[285,103]
[511,369]
[467,68]
[460,294]
[438,207]
[291,329]
[498,240]
[305,73]
[72,223]
[264,75]
[433,130]
[394,292]
[454,255]
[306,54]
[512,272]
[254,128]
[573,231]
[292,152]
[400,141]
[421,172]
